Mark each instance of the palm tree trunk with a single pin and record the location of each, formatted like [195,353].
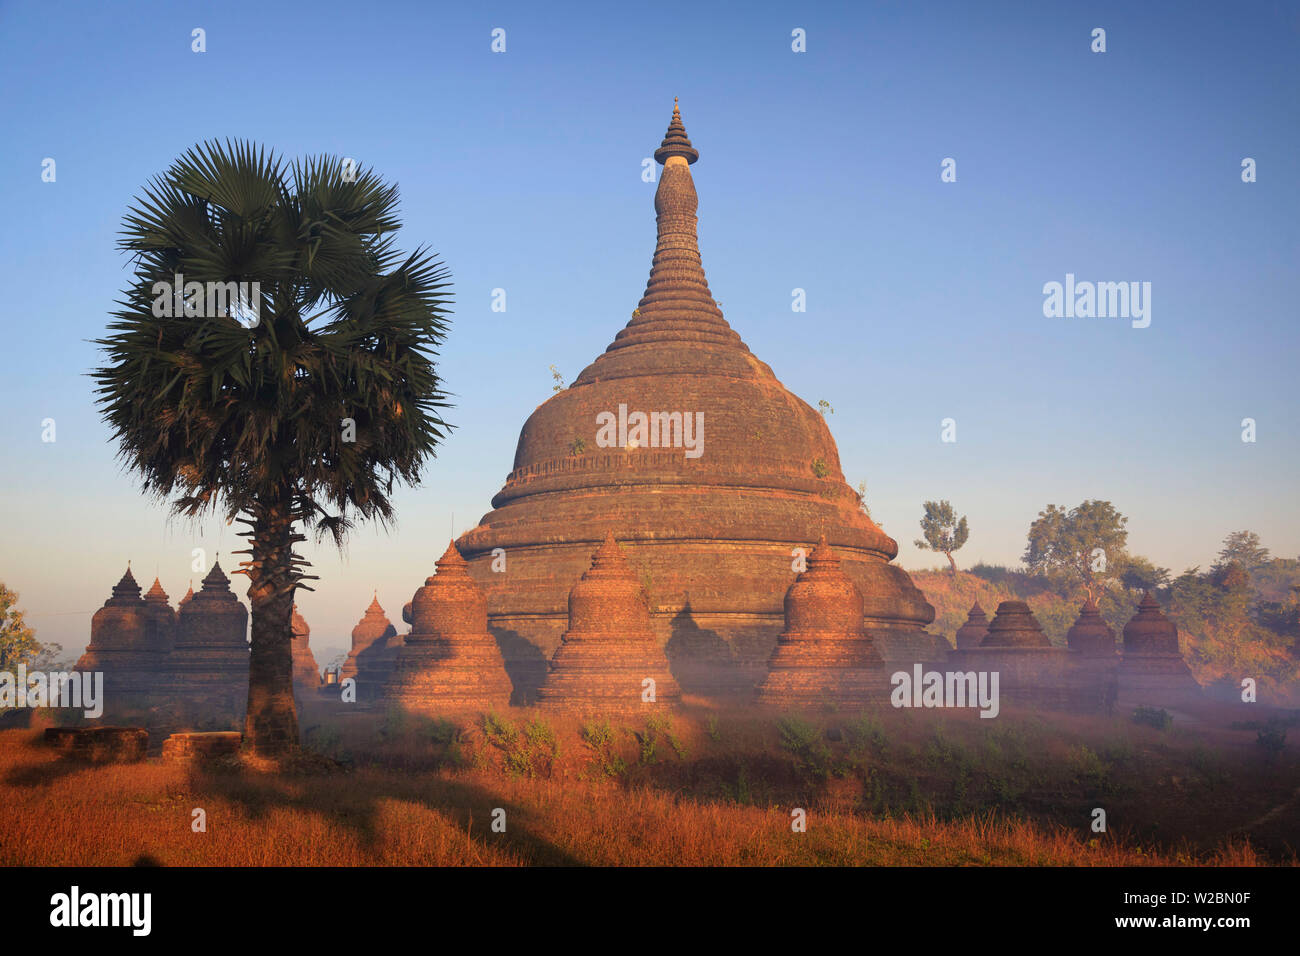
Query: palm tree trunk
[271,724]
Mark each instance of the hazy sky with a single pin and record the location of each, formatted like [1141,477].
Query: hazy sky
[819,170]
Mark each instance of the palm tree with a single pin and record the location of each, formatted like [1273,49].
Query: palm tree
[293,404]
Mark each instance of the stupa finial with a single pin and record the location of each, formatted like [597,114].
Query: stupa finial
[676,142]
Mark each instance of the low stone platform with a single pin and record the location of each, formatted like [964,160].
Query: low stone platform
[202,746]
[100,744]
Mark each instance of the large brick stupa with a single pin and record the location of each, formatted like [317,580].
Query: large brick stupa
[704,466]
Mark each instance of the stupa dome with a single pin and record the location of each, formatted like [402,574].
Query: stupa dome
[1149,631]
[972,633]
[1015,626]
[1090,634]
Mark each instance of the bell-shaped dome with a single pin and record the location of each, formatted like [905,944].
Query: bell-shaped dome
[608,659]
[1015,626]
[972,633]
[1149,631]
[449,603]
[1090,634]
[823,598]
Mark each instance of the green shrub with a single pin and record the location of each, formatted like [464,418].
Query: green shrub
[1156,717]
[600,737]
[1272,737]
[805,743]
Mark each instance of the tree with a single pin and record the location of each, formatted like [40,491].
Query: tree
[1083,547]
[18,644]
[1244,548]
[1141,574]
[942,531]
[298,402]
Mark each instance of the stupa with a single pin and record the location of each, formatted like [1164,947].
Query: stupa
[129,641]
[208,667]
[370,662]
[1094,663]
[162,619]
[971,634]
[609,652]
[707,469]
[1152,671]
[306,675]
[1031,671]
[824,655]
[449,661]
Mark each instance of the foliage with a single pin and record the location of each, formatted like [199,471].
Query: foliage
[942,531]
[1156,717]
[861,495]
[1272,738]
[820,468]
[528,752]
[1244,548]
[1082,547]
[18,643]
[558,379]
[599,737]
[302,401]
[805,743]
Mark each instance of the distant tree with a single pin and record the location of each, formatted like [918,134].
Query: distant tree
[1082,547]
[18,644]
[1244,548]
[942,531]
[1141,574]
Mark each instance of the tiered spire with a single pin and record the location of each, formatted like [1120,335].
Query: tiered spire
[125,591]
[449,661]
[677,305]
[609,649]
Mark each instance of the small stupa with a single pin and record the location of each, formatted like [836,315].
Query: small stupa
[1092,676]
[449,662]
[1031,671]
[1091,635]
[129,641]
[608,660]
[370,662]
[1014,625]
[207,671]
[1152,671]
[824,655]
[972,633]
[306,675]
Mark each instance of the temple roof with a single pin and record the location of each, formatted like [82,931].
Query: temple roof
[216,579]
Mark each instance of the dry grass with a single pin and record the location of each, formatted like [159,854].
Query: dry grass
[706,789]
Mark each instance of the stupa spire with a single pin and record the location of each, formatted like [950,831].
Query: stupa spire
[677,306]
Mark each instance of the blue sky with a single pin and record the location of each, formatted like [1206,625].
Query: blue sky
[818,170]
